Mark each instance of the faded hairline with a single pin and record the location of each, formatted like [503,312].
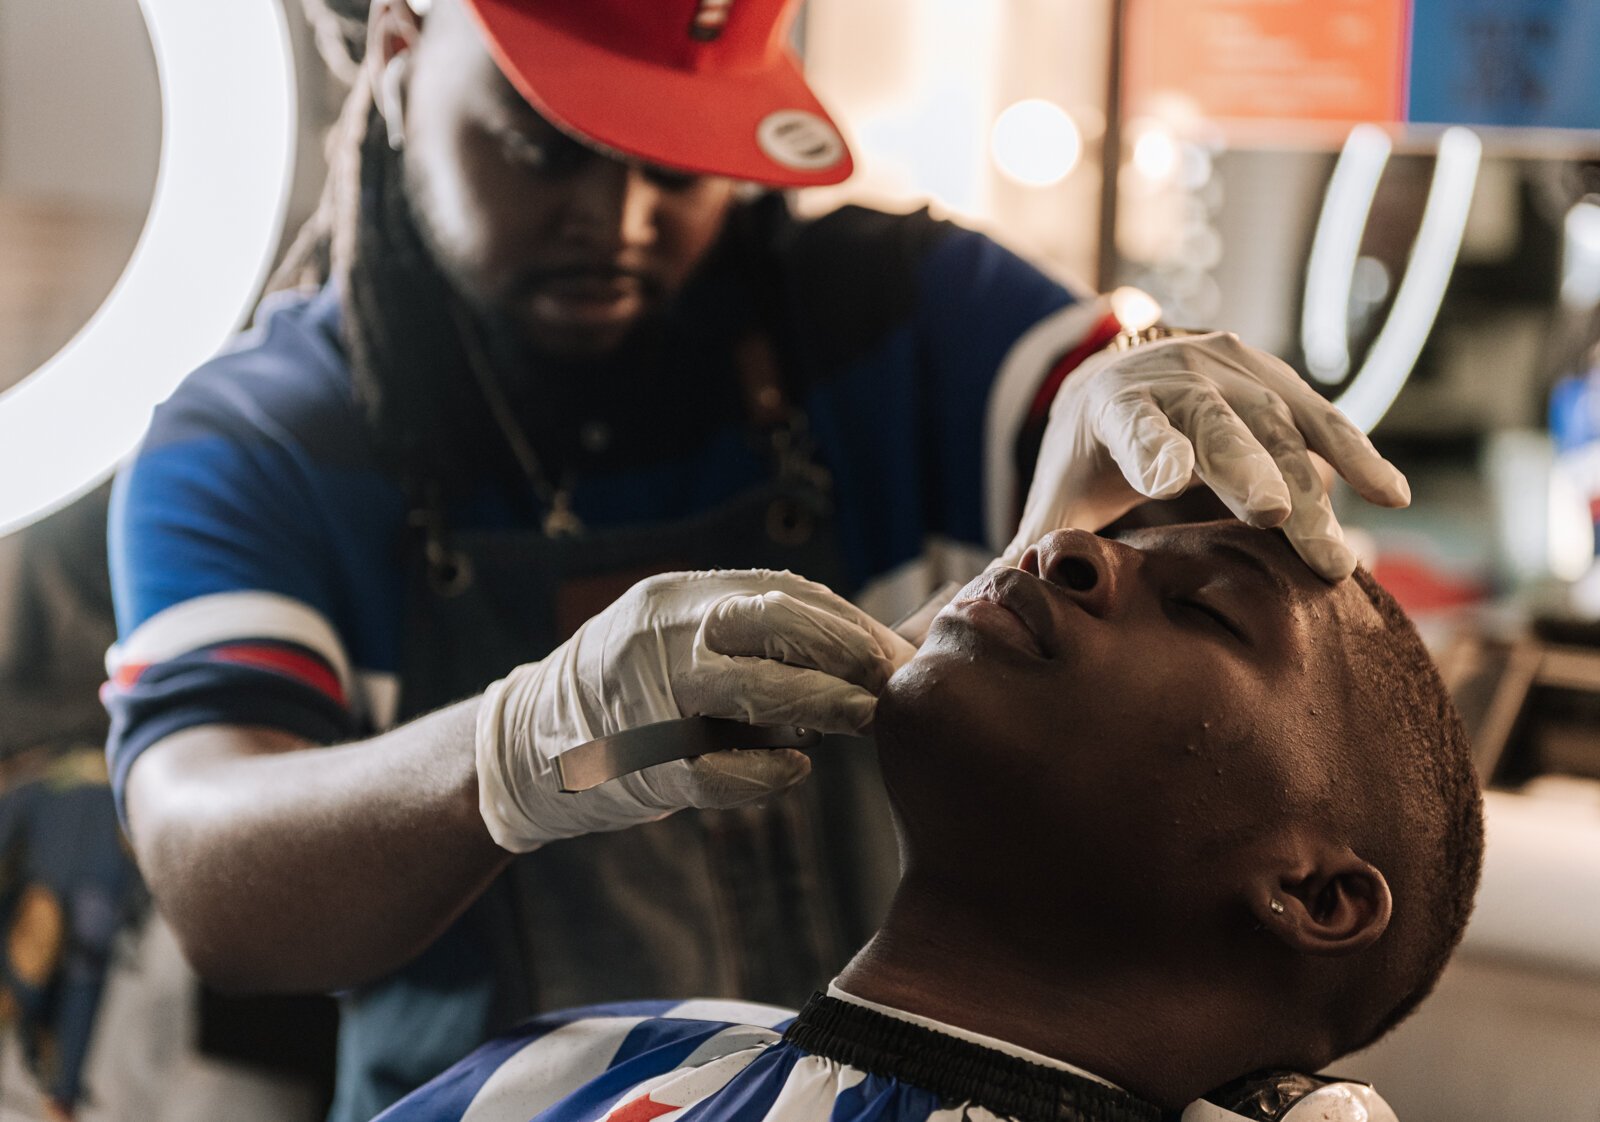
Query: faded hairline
[1424,737]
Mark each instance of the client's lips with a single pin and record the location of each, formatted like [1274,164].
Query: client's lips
[1021,596]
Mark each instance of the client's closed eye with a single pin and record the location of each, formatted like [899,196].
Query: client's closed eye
[1216,616]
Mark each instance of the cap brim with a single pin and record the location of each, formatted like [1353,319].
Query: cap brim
[703,123]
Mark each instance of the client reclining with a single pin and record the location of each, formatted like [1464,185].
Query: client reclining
[1172,811]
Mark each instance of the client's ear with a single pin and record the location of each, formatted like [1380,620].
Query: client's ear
[1331,902]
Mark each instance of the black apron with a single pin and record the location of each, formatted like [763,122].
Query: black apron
[760,903]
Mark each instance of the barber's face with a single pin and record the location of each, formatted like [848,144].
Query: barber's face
[1124,705]
[573,246]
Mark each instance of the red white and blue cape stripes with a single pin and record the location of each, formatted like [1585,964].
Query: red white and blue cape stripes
[707,1061]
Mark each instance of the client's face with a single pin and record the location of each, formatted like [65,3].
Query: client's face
[1126,705]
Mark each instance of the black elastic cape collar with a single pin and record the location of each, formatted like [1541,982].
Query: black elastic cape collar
[958,1070]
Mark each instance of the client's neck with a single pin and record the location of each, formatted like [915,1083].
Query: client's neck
[1157,1032]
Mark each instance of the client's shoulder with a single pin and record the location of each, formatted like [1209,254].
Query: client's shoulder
[562,1066]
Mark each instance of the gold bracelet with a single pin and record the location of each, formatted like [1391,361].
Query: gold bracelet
[1128,340]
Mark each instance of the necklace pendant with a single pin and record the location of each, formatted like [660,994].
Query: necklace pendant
[561,522]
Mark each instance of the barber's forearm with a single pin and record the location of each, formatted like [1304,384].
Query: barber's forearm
[285,869]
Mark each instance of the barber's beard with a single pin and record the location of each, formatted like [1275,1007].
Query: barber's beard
[549,392]
[411,364]
[428,394]
[504,314]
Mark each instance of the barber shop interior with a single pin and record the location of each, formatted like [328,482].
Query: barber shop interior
[800,560]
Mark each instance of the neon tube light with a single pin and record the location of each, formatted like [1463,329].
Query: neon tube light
[1433,258]
[1324,331]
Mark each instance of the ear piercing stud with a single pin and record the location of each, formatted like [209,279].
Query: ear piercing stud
[1276,907]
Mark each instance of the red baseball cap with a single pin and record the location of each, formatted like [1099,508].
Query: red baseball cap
[704,86]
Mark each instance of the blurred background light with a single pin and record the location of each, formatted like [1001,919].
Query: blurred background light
[1580,271]
[1156,154]
[1571,528]
[1545,528]
[1135,308]
[1036,142]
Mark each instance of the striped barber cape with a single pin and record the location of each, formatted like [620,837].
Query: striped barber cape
[840,1059]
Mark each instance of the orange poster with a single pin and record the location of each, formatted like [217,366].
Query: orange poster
[1331,61]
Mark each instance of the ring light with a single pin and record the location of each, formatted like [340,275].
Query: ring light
[227,154]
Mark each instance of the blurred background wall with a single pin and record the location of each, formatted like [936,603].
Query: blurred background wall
[80,134]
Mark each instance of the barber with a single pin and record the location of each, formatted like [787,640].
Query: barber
[561,349]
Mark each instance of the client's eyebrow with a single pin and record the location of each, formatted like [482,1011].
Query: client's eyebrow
[1263,569]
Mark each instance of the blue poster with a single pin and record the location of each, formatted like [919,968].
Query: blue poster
[1533,63]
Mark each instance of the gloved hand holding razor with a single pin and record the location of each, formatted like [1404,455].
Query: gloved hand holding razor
[759,647]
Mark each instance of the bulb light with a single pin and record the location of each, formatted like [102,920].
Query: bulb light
[1036,143]
[1135,308]
[1156,155]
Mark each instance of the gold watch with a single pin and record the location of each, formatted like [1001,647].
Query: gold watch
[1127,340]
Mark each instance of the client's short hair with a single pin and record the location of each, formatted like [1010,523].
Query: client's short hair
[1435,821]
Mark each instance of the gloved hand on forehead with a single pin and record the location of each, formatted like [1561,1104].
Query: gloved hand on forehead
[1144,423]
[757,646]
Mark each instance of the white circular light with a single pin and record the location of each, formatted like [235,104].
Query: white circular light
[1135,308]
[227,154]
[1156,155]
[1036,142]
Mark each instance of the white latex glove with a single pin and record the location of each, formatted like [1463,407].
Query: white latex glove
[1142,423]
[758,646]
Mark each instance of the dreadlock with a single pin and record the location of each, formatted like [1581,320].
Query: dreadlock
[340,30]
[404,325]
[340,27]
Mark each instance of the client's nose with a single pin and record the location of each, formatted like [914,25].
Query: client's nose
[1081,564]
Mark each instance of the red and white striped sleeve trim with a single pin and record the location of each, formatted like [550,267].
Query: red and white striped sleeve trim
[243,628]
[1031,373]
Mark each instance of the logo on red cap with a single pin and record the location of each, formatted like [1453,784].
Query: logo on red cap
[710,18]
[798,140]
